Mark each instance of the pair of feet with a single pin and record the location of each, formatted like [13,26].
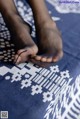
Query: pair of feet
[49,44]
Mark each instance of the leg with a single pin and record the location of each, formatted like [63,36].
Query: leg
[50,42]
[20,32]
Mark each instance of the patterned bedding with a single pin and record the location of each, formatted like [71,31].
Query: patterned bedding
[28,91]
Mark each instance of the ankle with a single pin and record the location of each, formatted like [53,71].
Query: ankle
[18,24]
[49,23]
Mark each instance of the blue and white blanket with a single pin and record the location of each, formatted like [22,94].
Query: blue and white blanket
[28,91]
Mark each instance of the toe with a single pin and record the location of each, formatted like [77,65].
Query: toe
[23,55]
[49,59]
[44,59]
[37,57]
[58,56]
[40,58]
[17,59]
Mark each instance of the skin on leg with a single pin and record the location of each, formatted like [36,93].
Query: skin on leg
[50,43]
[49,37]
[19,30]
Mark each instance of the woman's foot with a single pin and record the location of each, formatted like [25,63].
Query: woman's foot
[25,46]
[49,38]
[49,42]
[20,32]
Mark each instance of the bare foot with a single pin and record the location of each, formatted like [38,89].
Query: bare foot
[50,43]
[24,44]
[20,32]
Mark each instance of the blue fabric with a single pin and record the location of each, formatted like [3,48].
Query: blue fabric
[28,91]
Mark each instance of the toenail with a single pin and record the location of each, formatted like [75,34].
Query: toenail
[49,60]
[55,60]
[38,58]
[43,59]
